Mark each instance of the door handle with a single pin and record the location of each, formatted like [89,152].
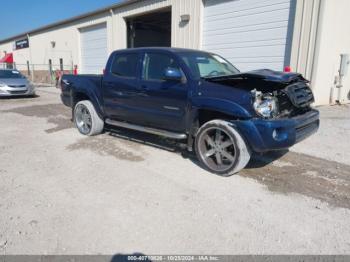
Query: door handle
[144,87]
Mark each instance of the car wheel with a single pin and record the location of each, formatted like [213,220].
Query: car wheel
[221,149]
[86,119]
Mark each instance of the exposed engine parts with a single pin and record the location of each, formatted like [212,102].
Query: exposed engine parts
[274,94]
[288,102]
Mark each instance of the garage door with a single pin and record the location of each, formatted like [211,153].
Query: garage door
[94,52]
[252,34]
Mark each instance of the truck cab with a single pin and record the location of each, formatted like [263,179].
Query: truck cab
[195,96]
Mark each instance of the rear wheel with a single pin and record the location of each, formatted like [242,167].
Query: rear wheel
[86,119]
[221,149]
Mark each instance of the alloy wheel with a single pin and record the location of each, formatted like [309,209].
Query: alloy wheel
[217,149]
[83,119]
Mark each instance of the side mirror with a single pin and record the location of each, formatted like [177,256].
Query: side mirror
[172,74]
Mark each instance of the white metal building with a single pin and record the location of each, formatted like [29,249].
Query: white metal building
[307,35]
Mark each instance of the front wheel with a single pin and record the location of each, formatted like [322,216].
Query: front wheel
[221,149]
[86,119]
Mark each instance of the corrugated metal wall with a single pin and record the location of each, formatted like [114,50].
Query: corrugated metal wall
[320,37]
[304,39]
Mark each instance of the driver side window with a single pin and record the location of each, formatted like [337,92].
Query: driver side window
[154,66]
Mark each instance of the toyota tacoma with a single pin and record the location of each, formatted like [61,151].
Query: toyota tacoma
[198,97]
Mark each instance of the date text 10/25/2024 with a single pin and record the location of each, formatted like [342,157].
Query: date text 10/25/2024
[172,258]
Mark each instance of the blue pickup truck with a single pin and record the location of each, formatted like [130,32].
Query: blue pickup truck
[198,97]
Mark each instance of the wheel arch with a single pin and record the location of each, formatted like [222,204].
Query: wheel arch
[207,109]
[243,149]
[80,95]
[201,116]
[205,115]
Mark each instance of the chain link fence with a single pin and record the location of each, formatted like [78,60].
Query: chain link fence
[6,66]
[40,73]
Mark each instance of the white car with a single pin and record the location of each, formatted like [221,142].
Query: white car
[13,83]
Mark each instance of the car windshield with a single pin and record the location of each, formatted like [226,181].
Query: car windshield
[10,74]
[206,65]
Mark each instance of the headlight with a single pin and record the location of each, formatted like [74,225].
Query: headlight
[265,105]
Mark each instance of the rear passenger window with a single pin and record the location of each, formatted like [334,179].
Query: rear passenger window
[125,65]
[156,64]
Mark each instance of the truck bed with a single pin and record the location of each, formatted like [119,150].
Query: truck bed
[84,83]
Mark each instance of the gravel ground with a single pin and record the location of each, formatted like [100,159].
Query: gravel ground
[124,192]
[332,142]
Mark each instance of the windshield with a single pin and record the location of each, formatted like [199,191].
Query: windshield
[206,65]
[10,74]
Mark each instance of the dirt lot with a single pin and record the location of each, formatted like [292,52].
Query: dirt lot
[123,192]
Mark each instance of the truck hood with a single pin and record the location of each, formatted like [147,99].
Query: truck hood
[263,80]
[270,75]
[290,89]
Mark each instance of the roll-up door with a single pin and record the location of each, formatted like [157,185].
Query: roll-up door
[94,52]
[251,34]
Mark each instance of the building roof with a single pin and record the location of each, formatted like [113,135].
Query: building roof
[69,20]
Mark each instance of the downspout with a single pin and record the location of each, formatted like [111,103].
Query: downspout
[317,40]
[112,28]
[30,57]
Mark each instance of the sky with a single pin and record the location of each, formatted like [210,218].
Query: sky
[18,16]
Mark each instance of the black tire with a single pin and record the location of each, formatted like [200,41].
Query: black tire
[227,153]
[93,124]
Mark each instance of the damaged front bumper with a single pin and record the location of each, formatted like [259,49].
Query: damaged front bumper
[275,134]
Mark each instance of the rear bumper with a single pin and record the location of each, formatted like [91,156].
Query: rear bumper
[267,135]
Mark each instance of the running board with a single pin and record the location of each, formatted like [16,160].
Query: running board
[147,129]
